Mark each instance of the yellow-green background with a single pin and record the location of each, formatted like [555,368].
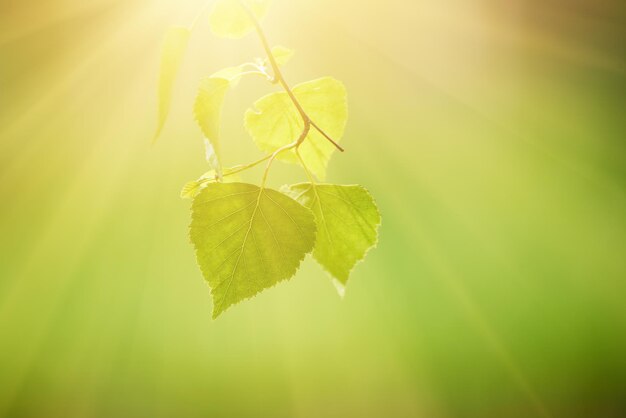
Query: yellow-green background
[492,134]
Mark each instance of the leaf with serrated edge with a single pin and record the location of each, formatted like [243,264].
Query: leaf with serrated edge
[275,122]
[173,50]
[247,239]
[229,19]
[282,55]
[207,109]
[347,224]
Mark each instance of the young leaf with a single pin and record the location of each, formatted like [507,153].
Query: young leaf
[231,74]
[192,188]
[173,50]
[208,109]
[229,19]
[282,55]
[347,224]
[276,122]
[248,239]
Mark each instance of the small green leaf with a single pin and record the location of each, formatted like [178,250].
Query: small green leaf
[232,74]
[247,239]
[282,55]
[192,188]
[172,53]
[208,109]
[229,19]
[276,122]
[347,224]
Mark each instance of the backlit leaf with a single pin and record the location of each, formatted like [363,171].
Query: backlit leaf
[229,19]
[282,55]
[231,74]
[172,53]
[248,239]
[275,121]
[208,109]
[192,188]
[347,224]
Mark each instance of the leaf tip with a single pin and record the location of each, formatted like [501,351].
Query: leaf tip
[340,287]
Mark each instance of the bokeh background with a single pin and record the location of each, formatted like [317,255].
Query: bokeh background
[492,134]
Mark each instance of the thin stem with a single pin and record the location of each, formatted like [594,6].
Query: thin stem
[238,169]
[325,135]
[295,144]
[248,166]
[278,77]
[306,169]
[273,157]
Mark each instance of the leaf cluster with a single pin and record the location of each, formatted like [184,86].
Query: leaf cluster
[249,237]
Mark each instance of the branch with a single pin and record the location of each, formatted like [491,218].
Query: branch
[278,77]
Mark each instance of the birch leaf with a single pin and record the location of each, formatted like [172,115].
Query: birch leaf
[282,55]
[208,109]
[229,19]
[172,53]
[347,224]
[247,239]
[275,122]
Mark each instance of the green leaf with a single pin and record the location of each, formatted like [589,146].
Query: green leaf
[173,50]
[347,224]
[229,19]
[192,188]
[276,122]
[282,55]
[208,109]
[231,74]
[248,239]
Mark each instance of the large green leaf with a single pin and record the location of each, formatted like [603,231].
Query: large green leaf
[207,109]
[229,19]
[173,50]
[275,121]
[347,224]
[248,239]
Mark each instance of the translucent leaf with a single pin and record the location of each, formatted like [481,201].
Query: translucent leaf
[247,239]
[173,50]
[229,19]
[192,188]
[282,55]
[208,109]
[232,74]
[347,224]
[275,121]
[189,190]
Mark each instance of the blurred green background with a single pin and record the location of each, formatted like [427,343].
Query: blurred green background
[492,134]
